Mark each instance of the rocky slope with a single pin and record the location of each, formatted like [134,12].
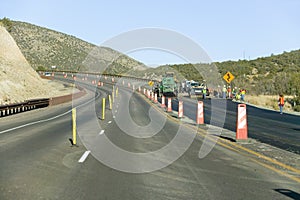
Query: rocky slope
[18,80]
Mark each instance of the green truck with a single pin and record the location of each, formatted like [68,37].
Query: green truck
[168,85]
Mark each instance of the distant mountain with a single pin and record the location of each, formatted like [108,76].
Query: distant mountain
[44,48]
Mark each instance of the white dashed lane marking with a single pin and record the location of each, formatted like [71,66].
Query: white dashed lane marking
[84,156]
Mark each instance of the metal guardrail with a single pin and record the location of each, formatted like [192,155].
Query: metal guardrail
[6,110]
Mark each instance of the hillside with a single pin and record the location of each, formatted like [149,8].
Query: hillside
[18,81]
[44,48]
[267,75]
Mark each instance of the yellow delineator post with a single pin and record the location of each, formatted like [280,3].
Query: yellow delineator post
[74,125]
[113,94]
[117,91]
[110,103]
[103,108]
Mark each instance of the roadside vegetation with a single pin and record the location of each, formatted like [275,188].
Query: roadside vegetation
[273,75]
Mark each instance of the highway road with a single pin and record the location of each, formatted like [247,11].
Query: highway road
[38,162]
[267,126]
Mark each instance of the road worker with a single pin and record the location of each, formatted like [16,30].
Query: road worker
[224,92]
[238,96]
[229,91]
[281,103]
[234,91]
[204,92]
[243,92]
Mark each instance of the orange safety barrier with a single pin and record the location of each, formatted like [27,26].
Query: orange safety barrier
[169,109]
[163,104]
[200,113]
[241,123]
[180,109]
[155,97]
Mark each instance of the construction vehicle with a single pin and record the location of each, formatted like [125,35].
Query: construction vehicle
[196,89]
[168,85]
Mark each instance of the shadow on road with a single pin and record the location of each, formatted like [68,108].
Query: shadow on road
[288,193]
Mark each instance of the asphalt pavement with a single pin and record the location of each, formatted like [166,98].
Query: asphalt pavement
[267,126]
[38,161]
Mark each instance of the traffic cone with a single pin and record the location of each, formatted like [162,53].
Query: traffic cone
[241,123]
[200,113]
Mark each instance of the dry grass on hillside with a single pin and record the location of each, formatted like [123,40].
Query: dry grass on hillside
[268,101]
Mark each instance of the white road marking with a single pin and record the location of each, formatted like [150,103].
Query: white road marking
[36,122]
[109,122]
[84,156]
[114,117]
[101,132]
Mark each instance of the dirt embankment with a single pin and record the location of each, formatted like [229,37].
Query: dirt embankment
[18,80]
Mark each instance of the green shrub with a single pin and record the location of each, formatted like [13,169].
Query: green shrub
[7,23]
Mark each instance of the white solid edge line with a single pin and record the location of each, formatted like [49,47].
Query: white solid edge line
[84,156]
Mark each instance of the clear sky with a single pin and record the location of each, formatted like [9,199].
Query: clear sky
[225,29]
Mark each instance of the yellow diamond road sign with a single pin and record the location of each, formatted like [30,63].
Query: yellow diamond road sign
[151,83]
[228,77]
